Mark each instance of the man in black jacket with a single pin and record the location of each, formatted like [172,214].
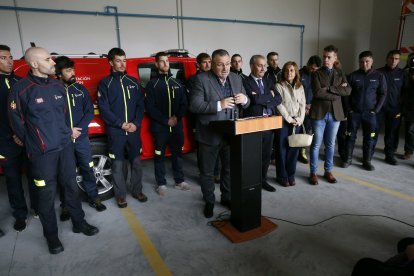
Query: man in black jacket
[166,105]
[263,102]
[37,107]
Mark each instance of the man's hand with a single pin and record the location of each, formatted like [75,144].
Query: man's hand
[307,108]
[17,140]
[344,84]
[172,121]
[240,98]
[273,93]
[76,132]
[125,126]
[227,103]
[131,127]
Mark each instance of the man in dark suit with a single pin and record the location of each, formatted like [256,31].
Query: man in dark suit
[263,103]
[216,95]
[329,84]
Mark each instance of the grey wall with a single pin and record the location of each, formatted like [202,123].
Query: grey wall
[351,25]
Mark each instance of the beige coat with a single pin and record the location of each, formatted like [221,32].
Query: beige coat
[293,102]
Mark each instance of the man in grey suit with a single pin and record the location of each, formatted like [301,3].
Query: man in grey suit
[216,95]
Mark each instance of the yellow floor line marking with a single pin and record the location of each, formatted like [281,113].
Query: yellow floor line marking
[376,187]
[150,251]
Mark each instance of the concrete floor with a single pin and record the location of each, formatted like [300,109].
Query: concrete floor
[171,236]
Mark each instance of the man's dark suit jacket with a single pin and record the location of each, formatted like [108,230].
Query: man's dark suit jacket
[258,101]
[204,95]
[327,94]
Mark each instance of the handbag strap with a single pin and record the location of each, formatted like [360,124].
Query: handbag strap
[294,128]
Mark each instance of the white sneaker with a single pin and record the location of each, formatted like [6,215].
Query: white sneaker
[161,190]
[182,186]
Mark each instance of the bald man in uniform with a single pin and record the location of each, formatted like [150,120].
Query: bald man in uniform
[37,109]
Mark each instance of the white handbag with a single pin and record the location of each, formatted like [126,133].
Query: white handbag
[300,140]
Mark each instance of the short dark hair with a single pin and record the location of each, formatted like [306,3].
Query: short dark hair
[63,62]
[331,48]
[4,48]
[393,52]
[254,58]
[160,54]
[365,54]
[115,52]
[236,55]
[315,60]
[271,54]
[219,52]
[202,56]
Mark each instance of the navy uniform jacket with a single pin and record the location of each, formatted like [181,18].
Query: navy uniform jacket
[80,112]
[369,90]
[305,79]
[37,108]
[240,73]
[395,79]
[120,100]
[259,102]
[6,82]
[165,98]
[273,74]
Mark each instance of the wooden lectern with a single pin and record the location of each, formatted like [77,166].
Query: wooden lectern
[246,176]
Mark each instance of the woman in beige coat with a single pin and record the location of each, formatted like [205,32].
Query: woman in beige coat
[292,110]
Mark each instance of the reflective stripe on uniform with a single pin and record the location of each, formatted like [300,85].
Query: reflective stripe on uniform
[39,183]
[372,134]
[112,156]
[91,164]
[158,152]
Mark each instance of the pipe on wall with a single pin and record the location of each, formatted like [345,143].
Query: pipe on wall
[113,11]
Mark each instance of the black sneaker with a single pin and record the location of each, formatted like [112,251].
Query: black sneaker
[64,215]
[86,229]
[54,244]
[19,225]
[1,233]
[391,160]
[97,204]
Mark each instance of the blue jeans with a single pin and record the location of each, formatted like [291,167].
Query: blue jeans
[324,129]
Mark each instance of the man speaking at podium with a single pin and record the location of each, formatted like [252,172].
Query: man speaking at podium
[216,95]
[264,100]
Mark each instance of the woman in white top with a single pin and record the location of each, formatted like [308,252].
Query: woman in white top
[292,110]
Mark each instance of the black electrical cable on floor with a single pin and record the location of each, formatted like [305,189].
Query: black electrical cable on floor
[224,217]
[340,215]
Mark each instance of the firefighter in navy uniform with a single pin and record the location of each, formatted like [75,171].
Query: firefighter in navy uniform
[369,90]
[121,105]
[390,113]
[12,149]
[78,117]
[166,104]
[37,109]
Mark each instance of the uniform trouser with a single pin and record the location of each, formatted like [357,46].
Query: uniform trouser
[267,142]
[83,155]
[391,122]
[46,169]
[286,157]
[175,140]
[341,139]
[409,137]
[118,146]
[207,155]
[369,124]
[16,158]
